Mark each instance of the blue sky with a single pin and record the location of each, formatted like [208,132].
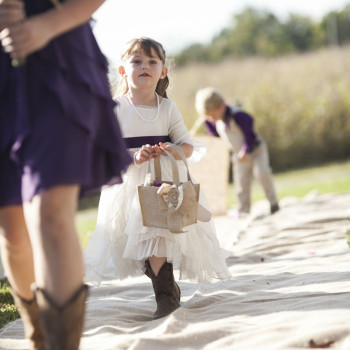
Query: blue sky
[180,23]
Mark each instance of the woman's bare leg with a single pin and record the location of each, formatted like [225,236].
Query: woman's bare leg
[58,260]
[16,251]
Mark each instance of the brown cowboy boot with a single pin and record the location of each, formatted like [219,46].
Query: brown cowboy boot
[29,312]
[166,290]
[62,325]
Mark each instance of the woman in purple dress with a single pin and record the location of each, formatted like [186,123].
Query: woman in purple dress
[59,140]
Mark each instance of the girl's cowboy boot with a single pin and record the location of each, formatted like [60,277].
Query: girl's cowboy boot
[29,312]
[166,291]
[62,325]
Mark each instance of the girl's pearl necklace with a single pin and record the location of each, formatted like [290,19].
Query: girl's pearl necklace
[140,115]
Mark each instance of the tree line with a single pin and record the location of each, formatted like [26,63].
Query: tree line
[260,33]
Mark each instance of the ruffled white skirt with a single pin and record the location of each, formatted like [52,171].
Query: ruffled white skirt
[121,242]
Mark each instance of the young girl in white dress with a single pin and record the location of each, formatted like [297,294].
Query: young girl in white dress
[148,119]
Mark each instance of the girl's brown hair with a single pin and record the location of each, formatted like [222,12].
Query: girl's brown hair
[146,45]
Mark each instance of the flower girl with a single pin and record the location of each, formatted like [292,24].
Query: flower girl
[149,120]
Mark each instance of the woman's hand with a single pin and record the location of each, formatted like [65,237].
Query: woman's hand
[11,12]
[25,37]
[22,36]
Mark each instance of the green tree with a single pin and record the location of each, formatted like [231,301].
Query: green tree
[260,33]
[302,33]
[336,26]
[251,32]
[195,52]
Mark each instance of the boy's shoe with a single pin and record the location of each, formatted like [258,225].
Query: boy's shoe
[274,208]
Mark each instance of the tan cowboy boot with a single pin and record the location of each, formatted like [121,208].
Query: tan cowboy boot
[166,290]
[29,312]
[62,325]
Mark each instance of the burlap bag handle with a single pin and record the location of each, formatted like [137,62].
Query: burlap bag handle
[158,171]
[179,151]
[175,170]
[203,213]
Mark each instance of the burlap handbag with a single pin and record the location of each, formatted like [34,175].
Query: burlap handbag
[170,205]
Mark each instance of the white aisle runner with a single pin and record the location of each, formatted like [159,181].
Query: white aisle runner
[290,290]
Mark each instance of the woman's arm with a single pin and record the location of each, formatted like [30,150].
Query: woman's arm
[23,36]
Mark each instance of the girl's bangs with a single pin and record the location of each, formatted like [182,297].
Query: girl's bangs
[146,46]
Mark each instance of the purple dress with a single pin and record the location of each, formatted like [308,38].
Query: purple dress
[57,120]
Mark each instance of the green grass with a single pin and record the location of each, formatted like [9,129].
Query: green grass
[8,311]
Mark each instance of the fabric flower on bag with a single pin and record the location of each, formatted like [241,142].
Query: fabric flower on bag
[172,195]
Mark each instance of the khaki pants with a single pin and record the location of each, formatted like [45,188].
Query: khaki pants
[256,165]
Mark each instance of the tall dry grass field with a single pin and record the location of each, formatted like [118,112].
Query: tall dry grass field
[301,103]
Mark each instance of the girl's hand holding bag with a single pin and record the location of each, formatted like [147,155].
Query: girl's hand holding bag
[173,205]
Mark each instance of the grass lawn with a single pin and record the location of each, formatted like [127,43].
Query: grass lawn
[8,311]
[333,178]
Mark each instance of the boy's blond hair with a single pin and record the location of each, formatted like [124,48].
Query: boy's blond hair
[208,99]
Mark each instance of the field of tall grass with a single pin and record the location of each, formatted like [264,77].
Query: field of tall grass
[301,103]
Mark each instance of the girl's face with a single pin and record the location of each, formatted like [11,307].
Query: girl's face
[142,71]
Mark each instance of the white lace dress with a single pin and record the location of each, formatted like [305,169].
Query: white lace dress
[120,242]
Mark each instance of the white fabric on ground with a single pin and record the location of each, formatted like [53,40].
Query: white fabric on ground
[291,285]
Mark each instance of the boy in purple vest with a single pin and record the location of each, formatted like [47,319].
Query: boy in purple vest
[249,151]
